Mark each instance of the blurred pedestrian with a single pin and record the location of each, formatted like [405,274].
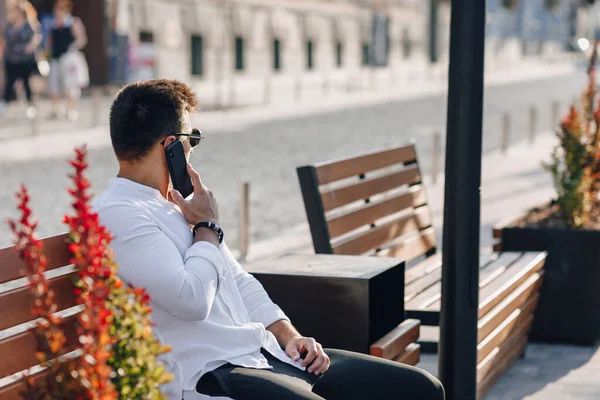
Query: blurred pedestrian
[67,38]
[21,39]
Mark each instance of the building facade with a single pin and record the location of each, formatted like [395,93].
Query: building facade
[248,51]
[237,52]
[240,52]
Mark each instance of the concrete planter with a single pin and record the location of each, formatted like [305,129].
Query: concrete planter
[569,308]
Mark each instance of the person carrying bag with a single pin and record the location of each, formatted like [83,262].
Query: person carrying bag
[68,67]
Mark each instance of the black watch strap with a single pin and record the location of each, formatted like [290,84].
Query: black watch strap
[209,225]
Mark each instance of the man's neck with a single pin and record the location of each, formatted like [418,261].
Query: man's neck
[143,176]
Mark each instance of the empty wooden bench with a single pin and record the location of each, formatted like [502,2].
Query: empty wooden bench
[17,343]
[376,204]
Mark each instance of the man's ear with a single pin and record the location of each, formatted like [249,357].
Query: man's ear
[168,141]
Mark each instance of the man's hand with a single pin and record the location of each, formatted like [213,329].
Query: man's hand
[202,206]
[312,352]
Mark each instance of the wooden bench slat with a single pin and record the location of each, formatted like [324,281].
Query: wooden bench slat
[501,288]
[396,341]
[12,390]
[423,268]
[369,187]
[499,354]
[506,357]
[15,305]
[385,233]
[519,320]
[417,286]
[351,166]
[519,297]
[487,273]
[431,297]
[55,248]
[411,355]
[412,247]
[370,213]
[19,350]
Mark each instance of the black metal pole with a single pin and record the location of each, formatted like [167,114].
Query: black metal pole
[460,275]
[433,30]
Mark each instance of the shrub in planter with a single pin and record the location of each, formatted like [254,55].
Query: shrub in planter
[119,359]
[125,317]
[568,228]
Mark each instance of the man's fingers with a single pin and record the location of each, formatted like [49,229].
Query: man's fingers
[177,197]
[196,181]
[317,364]
[324,366]
[312,354]
[293,353]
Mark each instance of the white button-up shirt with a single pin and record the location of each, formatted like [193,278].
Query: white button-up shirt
[206,307]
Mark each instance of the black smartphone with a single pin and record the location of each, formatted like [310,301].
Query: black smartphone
[177,163]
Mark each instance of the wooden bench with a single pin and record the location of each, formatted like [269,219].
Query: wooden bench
[376,204]
[17,343]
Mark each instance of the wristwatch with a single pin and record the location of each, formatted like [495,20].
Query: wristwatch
[209,225]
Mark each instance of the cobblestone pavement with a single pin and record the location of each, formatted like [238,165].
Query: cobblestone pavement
[266,153]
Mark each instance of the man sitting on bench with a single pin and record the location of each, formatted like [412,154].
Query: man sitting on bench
[227,336]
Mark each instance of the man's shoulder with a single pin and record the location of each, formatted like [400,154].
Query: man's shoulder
[120,215]
[113,205]
[110,198]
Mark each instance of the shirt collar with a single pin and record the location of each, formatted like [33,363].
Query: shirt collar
[138,187]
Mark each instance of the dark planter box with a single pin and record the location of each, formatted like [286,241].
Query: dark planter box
[345,302]
[569,307]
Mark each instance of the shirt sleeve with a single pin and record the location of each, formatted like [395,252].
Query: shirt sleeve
[183,286]
[259,305]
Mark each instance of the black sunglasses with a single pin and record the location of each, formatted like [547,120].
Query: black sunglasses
[195,137]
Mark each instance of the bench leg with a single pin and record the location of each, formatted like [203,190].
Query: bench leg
[522,356]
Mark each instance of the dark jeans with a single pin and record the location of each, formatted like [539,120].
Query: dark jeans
[14,72]
[351,376]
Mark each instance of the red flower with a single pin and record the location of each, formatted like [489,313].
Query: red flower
[87,239]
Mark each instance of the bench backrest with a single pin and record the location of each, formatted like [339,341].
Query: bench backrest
[373,204]
[18,344]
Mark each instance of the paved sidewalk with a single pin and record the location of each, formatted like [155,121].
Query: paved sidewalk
[54,138]
[548,372]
